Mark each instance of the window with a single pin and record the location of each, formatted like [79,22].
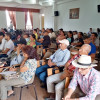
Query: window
[28,23]
[11,20]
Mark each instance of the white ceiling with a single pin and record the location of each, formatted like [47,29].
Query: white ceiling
[38,4]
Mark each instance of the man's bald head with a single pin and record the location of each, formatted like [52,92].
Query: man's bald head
[85,49]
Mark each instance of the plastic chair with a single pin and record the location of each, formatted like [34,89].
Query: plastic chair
[26,85]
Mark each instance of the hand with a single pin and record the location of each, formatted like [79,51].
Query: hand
[67,97]
[72,43]
[12,69]
[2,65]
[49,62]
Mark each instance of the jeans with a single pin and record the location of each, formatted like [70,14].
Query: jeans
[41,72]
[38,43]
[3,55]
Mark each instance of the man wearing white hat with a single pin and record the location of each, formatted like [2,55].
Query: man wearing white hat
[59,58]
[56,82]
[88,79]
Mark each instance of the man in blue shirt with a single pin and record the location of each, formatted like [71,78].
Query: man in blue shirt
[59,58]
[87,40]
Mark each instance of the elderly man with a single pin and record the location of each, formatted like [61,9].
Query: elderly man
[87,40]
[59,58]
[59,79]
[87,78]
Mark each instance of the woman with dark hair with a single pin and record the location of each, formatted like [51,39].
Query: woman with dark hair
[27,71]
[32,41]
[70,37]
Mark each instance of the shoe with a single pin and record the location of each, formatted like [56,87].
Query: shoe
[46,96]
[11,95]
[44,86]
[49,99]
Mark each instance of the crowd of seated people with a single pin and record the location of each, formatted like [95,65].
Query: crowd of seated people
[22,47]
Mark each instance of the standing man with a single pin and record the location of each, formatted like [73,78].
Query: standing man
[11,26]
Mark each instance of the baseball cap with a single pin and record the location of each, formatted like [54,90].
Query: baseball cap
[65,41]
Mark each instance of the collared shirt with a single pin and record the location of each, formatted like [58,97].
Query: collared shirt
[93,48]
[60,57]
[31,64]
[10,45]
[89,84]
[2,45]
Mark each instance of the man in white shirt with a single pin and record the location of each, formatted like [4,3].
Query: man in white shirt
[9,46]
[2,40]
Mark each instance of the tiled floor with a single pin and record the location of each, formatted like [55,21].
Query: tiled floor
[28,94]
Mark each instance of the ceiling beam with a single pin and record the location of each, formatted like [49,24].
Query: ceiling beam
[19,9]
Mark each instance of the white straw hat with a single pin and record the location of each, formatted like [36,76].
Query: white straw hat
[65,41]
[83,62]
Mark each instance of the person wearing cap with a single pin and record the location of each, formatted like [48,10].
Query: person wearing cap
[87,78]
[19,58]
[58,80]
[2,40]
[59,58]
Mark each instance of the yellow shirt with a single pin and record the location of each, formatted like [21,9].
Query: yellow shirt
[36,36]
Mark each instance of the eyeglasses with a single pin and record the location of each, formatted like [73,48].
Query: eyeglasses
[82,69]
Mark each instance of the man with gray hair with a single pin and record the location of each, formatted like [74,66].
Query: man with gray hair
[59,59]
[59,79]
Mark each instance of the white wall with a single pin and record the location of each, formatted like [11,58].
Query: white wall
[88,16]
[48,18]
[20,20]
[3,23]
[36,20]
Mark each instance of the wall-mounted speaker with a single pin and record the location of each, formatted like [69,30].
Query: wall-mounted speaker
[56,13]
[98,8]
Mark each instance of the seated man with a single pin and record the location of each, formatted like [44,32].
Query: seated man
[59,58]
[59,79]
[45,41]
[2,41]
[87,40]
[95,39]
[18,56]
[80,41]
[9,46]
[88,79]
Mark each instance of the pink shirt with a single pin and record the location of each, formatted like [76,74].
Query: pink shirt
[89,84]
